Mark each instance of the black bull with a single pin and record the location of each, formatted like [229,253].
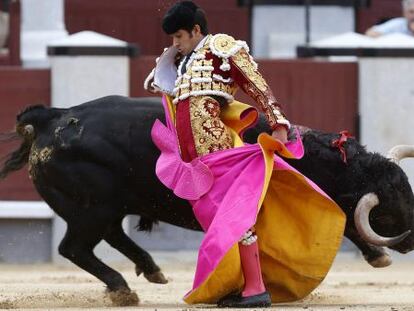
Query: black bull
[94,163]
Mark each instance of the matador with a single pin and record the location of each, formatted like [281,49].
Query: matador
[270,233]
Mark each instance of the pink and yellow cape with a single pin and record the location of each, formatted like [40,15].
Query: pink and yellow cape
[299,227]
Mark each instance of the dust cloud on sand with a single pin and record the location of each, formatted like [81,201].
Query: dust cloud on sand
[351,285]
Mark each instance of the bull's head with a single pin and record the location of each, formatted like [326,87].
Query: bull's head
[391,222]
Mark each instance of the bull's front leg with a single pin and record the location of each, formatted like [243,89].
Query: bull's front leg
[376,256]
[77,246]
[117,238]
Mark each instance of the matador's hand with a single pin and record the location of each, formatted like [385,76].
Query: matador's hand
[280,133]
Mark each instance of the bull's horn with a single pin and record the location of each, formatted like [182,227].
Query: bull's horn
[361,219]
[399,152]
[28,130]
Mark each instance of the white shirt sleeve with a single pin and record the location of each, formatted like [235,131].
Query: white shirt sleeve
[395,25]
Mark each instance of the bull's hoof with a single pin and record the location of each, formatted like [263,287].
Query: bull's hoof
[156,277]
[381,262]
[123,298]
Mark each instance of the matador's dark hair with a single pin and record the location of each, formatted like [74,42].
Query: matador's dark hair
[184,15]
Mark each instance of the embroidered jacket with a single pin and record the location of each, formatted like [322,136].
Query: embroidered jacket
[219,68]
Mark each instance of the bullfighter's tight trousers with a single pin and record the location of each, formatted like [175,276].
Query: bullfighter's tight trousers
[253,280]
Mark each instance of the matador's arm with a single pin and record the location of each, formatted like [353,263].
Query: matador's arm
[245,74]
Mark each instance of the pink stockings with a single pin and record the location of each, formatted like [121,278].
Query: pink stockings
[253,281]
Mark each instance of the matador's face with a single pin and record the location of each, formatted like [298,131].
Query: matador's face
[185,41]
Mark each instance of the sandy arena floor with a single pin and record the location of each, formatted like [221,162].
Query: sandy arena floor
[351,285]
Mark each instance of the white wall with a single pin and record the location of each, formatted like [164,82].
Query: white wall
[278,29]
[77,79]
[386,105]
[42,23]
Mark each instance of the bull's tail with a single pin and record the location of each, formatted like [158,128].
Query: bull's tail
[16,159]
[27,121]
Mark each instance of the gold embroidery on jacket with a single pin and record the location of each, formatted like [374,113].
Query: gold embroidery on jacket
[209,132]
[224,43]
[186,86]
[243,62]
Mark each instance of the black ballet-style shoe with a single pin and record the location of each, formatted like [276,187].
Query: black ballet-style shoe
[238,301]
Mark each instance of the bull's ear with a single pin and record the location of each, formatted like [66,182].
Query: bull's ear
[352,150]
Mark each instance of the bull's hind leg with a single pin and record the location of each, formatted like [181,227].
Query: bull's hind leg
[117,238]
[78,245]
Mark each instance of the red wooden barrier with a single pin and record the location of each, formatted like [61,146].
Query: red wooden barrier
[13,56]
[140,21]
[321,95]
[18,89]
[378,11]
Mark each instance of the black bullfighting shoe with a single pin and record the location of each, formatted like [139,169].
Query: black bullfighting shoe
[238,301]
